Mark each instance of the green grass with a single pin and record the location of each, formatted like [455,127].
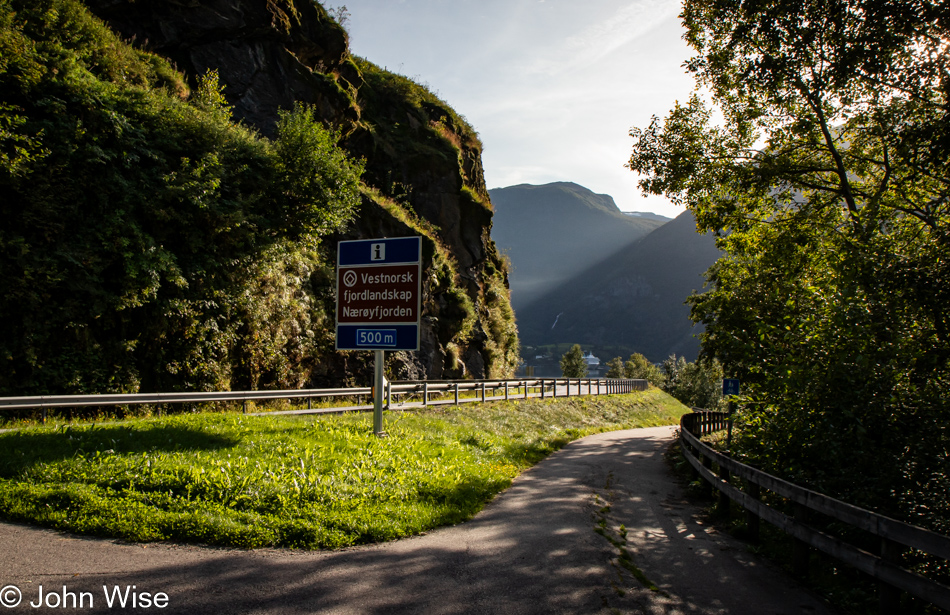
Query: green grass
[310,483]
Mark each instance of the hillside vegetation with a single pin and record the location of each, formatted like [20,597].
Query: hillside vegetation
[141,222]
[155,238]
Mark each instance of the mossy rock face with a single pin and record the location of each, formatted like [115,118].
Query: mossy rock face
[423,173]
[269,53]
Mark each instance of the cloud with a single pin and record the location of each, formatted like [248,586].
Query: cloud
[600,39]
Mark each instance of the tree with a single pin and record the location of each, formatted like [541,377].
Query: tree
[149,242]
[615,368]
[827,183]
[698,384]
[573,364]
[638,366]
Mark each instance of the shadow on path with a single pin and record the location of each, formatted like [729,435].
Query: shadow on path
[534,549]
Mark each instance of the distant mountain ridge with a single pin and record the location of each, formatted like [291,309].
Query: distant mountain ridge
[631,301]
[647,215]
[554,231]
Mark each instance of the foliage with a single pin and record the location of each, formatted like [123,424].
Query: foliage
[502,345]
[324,482]
[615,368]
[388,87]
[638,366]
[573,364]
[697,384]
[827,182]
[340,14]
[137,224]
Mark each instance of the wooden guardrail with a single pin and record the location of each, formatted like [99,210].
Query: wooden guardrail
[407,390]
[895,536]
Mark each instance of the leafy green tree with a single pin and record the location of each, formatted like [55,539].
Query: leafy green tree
[672,367]
[573,364]
[140,224]
[697,384]
[825,178]
[615,368]
[638,366]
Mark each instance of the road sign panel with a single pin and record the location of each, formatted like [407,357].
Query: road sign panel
[372,293]
[379,294]
[379,251]
[730,386]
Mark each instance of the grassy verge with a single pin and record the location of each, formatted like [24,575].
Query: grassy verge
[300,482]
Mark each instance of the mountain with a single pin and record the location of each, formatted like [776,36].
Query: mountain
[179,176]
[555,231]
[646,215]
[631,301]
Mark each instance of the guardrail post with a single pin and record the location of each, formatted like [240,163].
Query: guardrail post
[506,390]
[456,393]
[244,407]
[483,392]
[752,519]
[554,388]
[568,387]
[542,388]
[689,448]
[425,393]
[889,597]
[800,551]
[526,389]
[389,394]
[707,463]
[724,500]
[309,402]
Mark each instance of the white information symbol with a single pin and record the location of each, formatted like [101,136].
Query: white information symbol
[349,278]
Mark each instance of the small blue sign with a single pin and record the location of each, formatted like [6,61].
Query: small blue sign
[730,386]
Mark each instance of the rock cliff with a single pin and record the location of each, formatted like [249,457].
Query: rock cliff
[423,161]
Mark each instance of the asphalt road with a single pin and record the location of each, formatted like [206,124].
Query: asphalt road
[552,543]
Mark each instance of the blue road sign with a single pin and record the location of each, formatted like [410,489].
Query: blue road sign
[730,386]
[379,294]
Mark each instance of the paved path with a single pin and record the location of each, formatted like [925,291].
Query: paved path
[534,549]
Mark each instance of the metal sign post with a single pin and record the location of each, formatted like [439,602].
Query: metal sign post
[379,302]
[378,394]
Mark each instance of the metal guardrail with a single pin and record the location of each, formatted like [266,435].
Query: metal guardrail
[427,390]
[895,536]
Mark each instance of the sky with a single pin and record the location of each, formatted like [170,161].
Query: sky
[552,86]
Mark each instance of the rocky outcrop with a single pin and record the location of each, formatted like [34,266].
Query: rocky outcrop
[423,161]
